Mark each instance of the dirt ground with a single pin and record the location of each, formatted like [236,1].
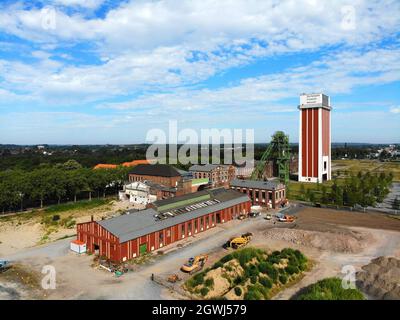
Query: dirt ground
[11,228]
[320,219]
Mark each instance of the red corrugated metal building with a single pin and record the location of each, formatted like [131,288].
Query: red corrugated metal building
[128,236]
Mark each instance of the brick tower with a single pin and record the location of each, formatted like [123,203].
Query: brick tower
[315,138]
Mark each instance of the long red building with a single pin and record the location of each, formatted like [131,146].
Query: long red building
[130,235]
[314,138]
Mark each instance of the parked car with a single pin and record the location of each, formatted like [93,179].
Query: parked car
[254,214]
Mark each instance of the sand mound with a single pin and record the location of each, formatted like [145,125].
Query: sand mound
[381,278]
[347,242]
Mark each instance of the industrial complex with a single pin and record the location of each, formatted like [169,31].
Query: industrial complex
[177,204]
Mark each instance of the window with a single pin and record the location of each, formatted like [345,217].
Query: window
[190,227]
[195,224]
[183,229]
[161,237]
[324,165]
[207,220]
[168,233]
[213,219]
[201,222]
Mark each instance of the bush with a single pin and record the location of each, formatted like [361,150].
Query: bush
[209,282]
[291,270]
[251,270]
[56,217]
[265,282]
[227,258]
[283,279]
[253,294]
[204,291]
[238,280]
[217,265]
[253,279]
[329,289]
[238,291]
[228,268]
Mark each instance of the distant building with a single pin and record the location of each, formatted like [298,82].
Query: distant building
[270,194]
[146,192]
[105,166]
[159,173]
[218,175]
[125,164]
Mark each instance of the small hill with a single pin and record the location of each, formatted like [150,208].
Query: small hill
[249,274]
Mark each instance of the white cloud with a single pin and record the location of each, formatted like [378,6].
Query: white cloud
[91,4]
[395,110]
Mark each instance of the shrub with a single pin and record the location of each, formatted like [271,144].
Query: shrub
[204,291]
[265,282]
[228,268]
[56,217]
[253,294]
[253,279]
[283,279]
[217,265]
[238,280]
[251,270]
[291,270]
[227,258]
[329,289]
[238,291]
[209,282]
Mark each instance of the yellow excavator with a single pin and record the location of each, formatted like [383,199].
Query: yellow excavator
[195,264]
[238,242]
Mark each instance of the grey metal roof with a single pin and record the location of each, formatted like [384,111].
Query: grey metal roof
[256,184]
[203,168]
[140,223]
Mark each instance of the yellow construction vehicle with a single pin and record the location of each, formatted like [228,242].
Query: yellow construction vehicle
[238,242]
[195,264]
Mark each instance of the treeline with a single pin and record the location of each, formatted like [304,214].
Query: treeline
[55,184]
[87,156]
[363,189]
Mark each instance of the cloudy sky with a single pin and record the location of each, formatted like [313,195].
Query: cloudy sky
[102,71]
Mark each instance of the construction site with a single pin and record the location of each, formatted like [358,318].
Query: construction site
[213,232]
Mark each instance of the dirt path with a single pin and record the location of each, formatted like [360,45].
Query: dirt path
[330,264]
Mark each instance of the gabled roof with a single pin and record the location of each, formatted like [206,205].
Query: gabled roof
[160,170]
[105,166]
[135,163]
[256,184]
[203,168]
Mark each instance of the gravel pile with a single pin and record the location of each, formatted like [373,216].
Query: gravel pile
[348,242]
[381,278]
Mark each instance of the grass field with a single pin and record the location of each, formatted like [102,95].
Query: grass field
[372,166]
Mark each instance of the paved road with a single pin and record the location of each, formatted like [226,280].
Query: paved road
[53,250]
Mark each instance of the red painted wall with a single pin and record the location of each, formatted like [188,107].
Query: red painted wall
[92,233]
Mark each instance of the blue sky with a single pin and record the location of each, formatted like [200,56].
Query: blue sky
[101,71]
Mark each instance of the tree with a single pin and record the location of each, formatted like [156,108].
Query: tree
[76,182]
[42,186]
[69,165]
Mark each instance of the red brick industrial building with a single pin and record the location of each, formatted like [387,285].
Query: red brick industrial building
[135,233]
[270,194]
